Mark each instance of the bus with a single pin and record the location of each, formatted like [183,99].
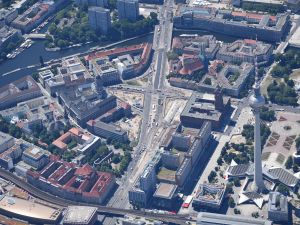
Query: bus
[187,201]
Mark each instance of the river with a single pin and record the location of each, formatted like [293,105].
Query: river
[31,55]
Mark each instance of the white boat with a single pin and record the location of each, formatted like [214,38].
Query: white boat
[29,44]
[188,35]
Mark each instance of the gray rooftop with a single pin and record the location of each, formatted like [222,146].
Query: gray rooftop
[204,218]
[109,127]
[165,190]
[282,176]
[202,106]
[238,170]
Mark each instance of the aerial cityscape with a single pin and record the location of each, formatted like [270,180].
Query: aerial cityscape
[149,112]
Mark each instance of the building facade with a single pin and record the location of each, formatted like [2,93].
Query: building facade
[128,9]
[99,19]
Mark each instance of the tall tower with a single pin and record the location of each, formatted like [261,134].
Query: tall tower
[256,102]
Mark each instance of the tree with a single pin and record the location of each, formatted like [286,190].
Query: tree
[297,143]
[212,176]
[231,202]
[279,71]
[283,189]
[267,115]
[289,162]
[261,71]
[237,211]
[237,182]
[52,28]
[295,168]
[219,67]
[116,159]
[248,133]
[229,187]
[172,55]
[14,131]
[35,76]
[153,15]
[255,214]
[290,83]
[207,81]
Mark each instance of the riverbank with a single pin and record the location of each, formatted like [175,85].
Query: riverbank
[22,65]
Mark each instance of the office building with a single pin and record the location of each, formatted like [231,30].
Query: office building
[236,23]
[18,91]
[104,68]
[99,19]
[6,141]
[35,157]
[10,150]
[86,102]
[8,157]
[8,35]
[206,107]
[71,73]
[128,9]
[278,210]
[233,78]
[206,46]
[144,187]
[178,164]
[35,112]
[7,16]
[107,131]
[165,196]
[126,63]
[246,51]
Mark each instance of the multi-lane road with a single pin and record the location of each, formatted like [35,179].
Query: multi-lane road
[152,110]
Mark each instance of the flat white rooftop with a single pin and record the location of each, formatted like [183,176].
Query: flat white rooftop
[79,214]
[295,39]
